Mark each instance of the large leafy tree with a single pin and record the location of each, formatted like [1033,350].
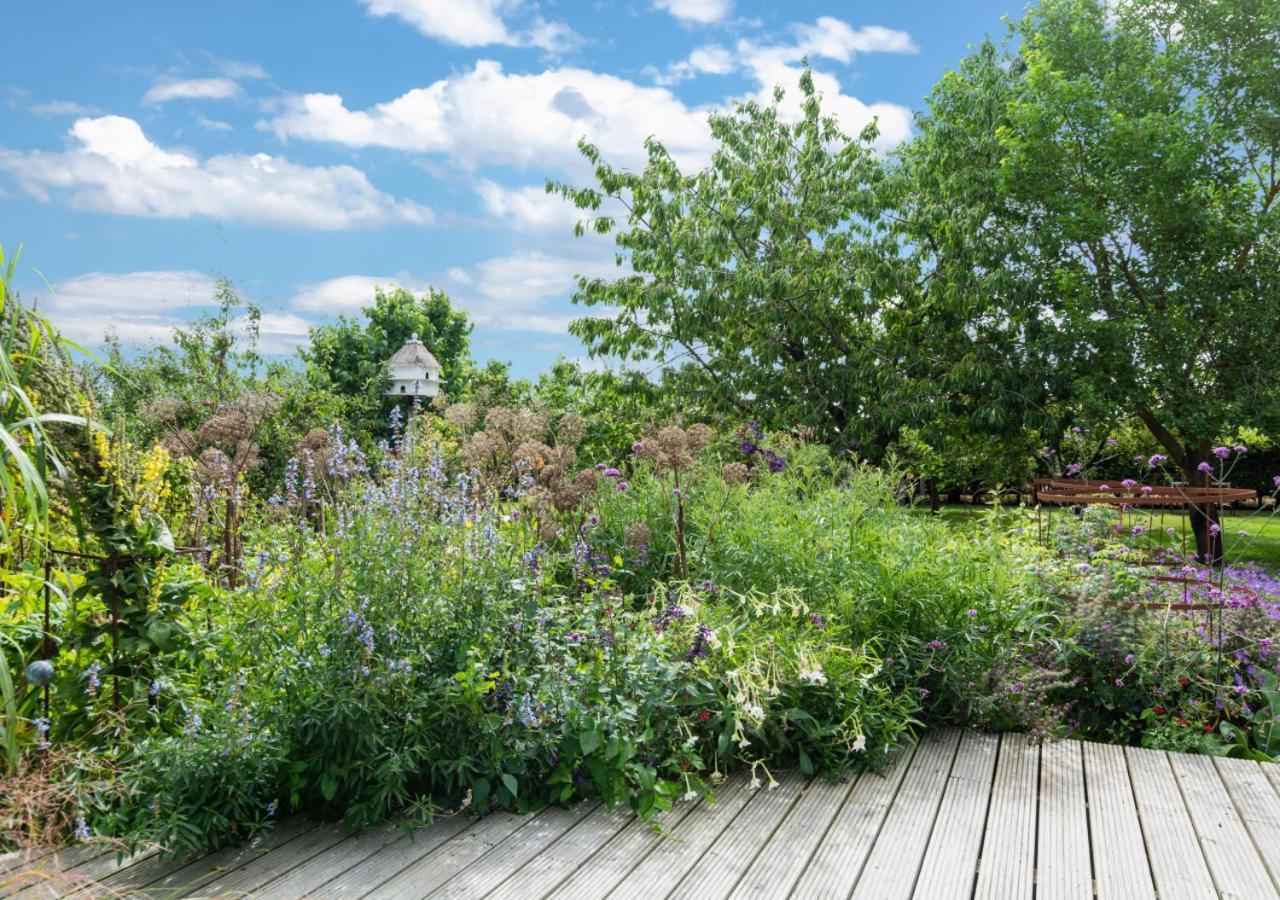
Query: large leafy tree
[1094,213]
[347,358]
[762,276]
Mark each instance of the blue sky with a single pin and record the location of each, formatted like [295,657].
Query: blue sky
[308,151]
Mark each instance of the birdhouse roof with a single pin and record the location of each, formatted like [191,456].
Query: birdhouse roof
[413,353]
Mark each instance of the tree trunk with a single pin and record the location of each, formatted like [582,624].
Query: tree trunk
[1203,517]
[1205,523]
[931,485]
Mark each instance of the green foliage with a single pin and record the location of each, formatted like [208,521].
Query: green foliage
[783,235]
[1096,209]
[346,359]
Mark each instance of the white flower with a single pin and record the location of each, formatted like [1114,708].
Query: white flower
[813,676]
[753,711]
[713,639]
[755,783]
[689,795]
[860,744]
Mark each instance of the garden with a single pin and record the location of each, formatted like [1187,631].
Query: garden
[236,588]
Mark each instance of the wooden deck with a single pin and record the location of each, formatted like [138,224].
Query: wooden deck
[962,815]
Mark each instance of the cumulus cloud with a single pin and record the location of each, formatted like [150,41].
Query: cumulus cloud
[348,294]
[114,168]
[490,117]
[700,12]
[711,59]
[530,208]
[474,23]
[779,65]
[192,89]
[137,306]
[141,308]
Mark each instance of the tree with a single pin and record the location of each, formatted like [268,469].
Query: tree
[1093,211]
[764,275]
[347,358]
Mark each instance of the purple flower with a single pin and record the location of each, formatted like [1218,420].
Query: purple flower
[612,473]
[1221,452]
[1138,529]
[1073,469]
[1128,484]
[1204,467]
[816,620]
[1241,449]
[747,447]
[637,447]
[1156,459]
[971,613]
[1215,529]
[622,485]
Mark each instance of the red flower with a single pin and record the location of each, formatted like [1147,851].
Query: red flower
[1158,710]
[703,716]
[1208,727]
[1182,682]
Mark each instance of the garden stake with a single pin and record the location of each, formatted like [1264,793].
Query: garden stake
[48,641]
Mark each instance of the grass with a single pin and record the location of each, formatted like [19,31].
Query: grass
[1261,545]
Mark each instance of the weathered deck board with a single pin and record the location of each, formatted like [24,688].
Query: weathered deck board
[659,873]
[952,857]
[1172,847]
[895,859]
[726,860]
[1228,849]
[607,867]
[1120,866]
[1258,805]
[961,815]
[304,880]
[546,870]
[431,869]
[779,864]
[838,862]
[1063,868]
[515,852]
[1008,866]
[610,865]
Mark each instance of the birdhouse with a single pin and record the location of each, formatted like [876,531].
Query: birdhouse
[413,371]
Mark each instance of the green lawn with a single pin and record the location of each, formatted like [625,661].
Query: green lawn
[1262,545]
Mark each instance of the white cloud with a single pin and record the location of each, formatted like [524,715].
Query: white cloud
[63,108]
[838,40]
[779,65]
[239,69]
[138,306]
[530,208]
[701,12]
[278,333]
[213,124]
[115,168]
[192,89]
[348,294]
[711,59]
[504,293]
[489,117]
[473,23]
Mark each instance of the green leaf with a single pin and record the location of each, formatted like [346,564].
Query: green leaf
[511,784]
[590,741]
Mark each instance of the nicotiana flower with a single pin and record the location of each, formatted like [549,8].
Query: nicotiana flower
[813,676]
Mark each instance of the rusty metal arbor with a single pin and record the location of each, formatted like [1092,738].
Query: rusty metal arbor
[1128,494]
